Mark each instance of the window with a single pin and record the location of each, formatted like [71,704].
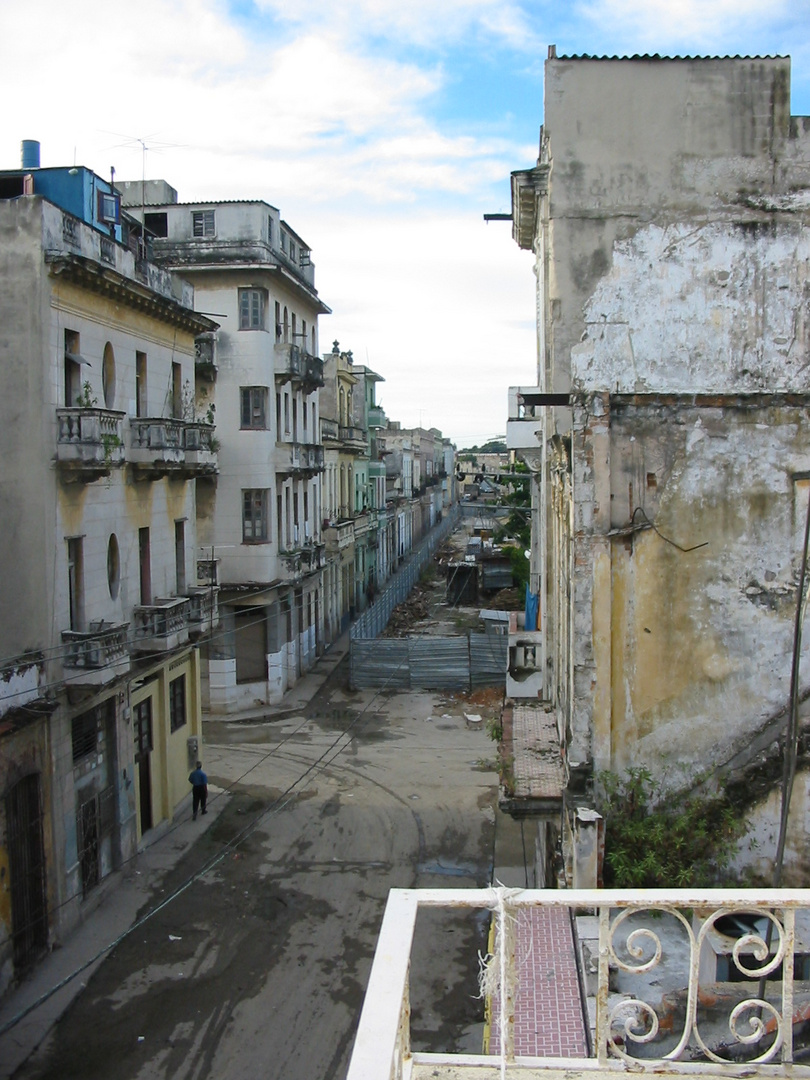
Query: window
[269,230]
[157,224]
[278,321]
[254,406]
[254,515]
[75,557]
[109,208]
[84,734]
[73,368]
[177,391]
[140,384]
[251,309]
[293,251]
[202,222]
[177,703]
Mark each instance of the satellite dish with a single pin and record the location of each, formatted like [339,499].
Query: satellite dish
[528,554]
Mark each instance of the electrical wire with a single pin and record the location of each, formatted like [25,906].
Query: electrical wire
[275,807]
[53,909]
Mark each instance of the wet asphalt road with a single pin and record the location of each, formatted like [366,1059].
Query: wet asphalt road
[259,968]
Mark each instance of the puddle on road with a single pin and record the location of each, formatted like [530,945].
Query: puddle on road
[443,869]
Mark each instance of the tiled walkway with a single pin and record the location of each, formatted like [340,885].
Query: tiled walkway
[536,750]
[548,1009]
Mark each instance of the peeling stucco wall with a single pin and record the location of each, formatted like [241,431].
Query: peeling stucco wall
[676,314]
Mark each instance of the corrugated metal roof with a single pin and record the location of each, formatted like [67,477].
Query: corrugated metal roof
[658,56]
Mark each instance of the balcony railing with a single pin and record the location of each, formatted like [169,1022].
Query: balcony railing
[89,442]
[203,612]
[330,430]
[299,458]
[97,655]
[293,363]
[671,980]
[161,445]
[339,535]
[161,626]
[353,436]
[376,417]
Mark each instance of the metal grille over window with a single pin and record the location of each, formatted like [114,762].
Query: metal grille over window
[202,222]
[177,702]
[84,733]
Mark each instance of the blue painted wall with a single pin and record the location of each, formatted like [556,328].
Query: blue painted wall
[72,189]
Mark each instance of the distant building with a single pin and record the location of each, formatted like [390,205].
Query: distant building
[261,521]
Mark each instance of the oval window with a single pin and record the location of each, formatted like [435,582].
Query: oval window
[108,376]
[113,566]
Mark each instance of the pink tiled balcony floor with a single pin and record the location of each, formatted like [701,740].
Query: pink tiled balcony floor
[548,1008]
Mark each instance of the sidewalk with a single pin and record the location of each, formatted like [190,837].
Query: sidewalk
[125,892]
[122,895]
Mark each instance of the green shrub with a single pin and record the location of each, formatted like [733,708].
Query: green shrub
[653,840]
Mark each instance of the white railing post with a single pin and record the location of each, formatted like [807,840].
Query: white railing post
[387,1008]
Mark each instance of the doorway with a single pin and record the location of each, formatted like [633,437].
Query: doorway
[29,917]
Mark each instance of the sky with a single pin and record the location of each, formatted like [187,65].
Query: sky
[383,130]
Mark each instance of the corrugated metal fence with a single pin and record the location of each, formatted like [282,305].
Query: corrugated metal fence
[429,663]
[375,619]
[421,663]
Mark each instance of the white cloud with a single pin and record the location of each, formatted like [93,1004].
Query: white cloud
[667,25]
[333,134]
[423,23]
[440,305]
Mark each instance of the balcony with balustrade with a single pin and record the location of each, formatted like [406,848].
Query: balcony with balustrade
[353,437]
[96,656]
[294,364]
[89,443]
[203,612]
[339,535]
[298,459]
[377,417]
[161,626]
[605,983]
[162,446]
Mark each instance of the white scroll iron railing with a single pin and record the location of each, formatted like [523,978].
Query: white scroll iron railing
[640,933]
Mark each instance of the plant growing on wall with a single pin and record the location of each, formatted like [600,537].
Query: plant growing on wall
[660,840]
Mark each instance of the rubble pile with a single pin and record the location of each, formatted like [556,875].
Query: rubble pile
[405,615]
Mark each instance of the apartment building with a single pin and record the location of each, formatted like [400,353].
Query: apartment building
[99,604]
[261,520]
[668,431]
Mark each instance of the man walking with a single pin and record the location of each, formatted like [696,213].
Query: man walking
[199,790]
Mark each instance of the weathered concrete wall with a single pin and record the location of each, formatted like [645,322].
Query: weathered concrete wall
[666,142]
[701,640]
[674,310]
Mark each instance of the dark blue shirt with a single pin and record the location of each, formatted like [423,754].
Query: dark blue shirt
[198,778]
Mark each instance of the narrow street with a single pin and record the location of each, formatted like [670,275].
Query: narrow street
[259,968]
